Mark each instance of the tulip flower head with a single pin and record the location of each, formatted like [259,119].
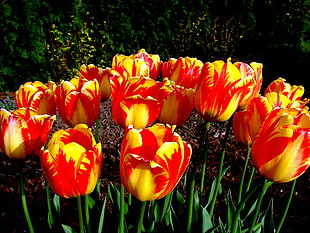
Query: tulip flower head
[38,96]
[282,94]
[152,161]
[177,106]
[129,66]
[91,72]
[153,61]
[137,101]
[72,161]
[247,123]
[183,71]
[23,132]
[254,72]
[281,150]
[78,101]
[220,90]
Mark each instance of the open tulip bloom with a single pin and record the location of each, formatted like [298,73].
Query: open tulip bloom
[38,96]
[152,161]
[220,90]
[23,132]
[78,101]
[72,161]
[281,149]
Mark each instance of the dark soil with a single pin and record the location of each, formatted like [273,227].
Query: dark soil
[110,135]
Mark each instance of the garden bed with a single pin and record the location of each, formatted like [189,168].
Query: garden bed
[110,135]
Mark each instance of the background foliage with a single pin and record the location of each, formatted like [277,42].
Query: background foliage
[49,40]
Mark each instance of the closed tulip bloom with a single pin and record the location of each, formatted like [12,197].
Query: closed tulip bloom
[129,66]
[38,96]
[220,90]
[78,101]
[281,151]
[183,71]
[23,132]
[153,61]
[152,161]
[72,161]
[91,72]
[254,72]
[247,123]
[177,106]
[137,101]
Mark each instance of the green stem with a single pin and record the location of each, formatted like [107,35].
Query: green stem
[24,203]
[140,222]
[220,170]
[121,210]
[204,164]
[49,206]
[80,213]
[287,206]
[240,208]
[192,183]
[87,221]
[265,186]
[243,173]
[250,179]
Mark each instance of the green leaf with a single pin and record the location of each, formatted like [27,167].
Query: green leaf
[91,202]
[196,206]
[101,220]
[206,220]
[56,203]
[68,229]
[267,219]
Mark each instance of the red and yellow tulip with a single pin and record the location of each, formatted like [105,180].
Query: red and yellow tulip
[253,71]
[247,123]
[220,90]
[177,106]
[128,66]
[91,72]
[183,71]
[72,161]
[282,94]
[281,150]
[38,96]
[78,101]
[278,94]
[152,161]
[137,101]
[23,132]
[153,61]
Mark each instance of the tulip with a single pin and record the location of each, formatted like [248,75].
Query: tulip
[72,161]
[152,161]
[177,106]
[126,66]
[153,60]
[247,123]
[220,90]
[183,71]
[91,72]
[23,132]
[78,101]
[254,72]
[281,150]
[38,96]
[284,95]
[137,101]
